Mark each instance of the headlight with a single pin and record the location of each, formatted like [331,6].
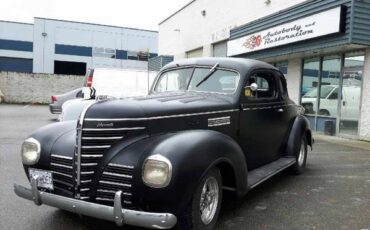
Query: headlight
[31,149]
[157,171]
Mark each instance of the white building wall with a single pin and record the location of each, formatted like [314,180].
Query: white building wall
[88,35]
[189,30]
[10,31]
[365,103]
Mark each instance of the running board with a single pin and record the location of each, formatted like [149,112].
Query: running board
[259,175]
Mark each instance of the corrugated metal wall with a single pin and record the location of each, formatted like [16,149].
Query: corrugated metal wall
[156,63]
[291,14]
[361,22]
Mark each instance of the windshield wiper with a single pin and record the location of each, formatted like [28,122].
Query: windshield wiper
[211,72]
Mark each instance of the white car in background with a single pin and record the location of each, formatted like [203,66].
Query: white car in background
[116,83]
[350,103]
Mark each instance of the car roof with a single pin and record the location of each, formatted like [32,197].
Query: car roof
[240,64]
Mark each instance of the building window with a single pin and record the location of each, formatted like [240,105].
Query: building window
[283,67]
[69,68]
[104,52]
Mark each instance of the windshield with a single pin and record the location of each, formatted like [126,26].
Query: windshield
[187,79]
[325,90]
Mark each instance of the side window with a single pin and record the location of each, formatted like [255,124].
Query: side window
[266,86]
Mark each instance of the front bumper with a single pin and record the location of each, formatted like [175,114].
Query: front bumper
[115,214]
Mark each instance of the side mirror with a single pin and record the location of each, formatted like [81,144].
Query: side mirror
[88,93]
[253,87]
[248,90]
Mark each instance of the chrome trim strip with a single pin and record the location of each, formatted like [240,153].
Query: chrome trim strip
[60,165]
[84,189]
[63,174]
[112,191]
[121,166]
[105,212]
[268,107]
[63,182]
[117,175]
[79,144]
[96,147]
[84,197]
[61,157]
[219,124]
[114,183]
[102,138]
[85,181]
[113,129]
[89,164]
[161,117]
[87,173]
[91,156]
[103,199]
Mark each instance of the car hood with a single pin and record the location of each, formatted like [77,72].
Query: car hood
[159,105]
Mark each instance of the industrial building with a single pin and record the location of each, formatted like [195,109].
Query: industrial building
[322,47]
[66,47]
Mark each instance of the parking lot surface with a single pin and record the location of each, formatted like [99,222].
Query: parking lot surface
[333,193]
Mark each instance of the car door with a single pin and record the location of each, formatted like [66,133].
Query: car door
[262,119]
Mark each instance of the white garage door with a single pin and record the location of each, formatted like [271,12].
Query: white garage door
[220,49]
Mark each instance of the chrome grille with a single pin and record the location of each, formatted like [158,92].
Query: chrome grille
[93,143]
[115,178]
[62,169]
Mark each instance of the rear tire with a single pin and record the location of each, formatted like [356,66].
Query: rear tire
[202,212]
[301,157]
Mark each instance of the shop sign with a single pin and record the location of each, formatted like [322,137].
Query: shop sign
[324,23]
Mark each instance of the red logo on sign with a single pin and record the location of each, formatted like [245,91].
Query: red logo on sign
[253,42]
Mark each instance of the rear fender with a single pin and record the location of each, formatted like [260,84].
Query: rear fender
[300,127]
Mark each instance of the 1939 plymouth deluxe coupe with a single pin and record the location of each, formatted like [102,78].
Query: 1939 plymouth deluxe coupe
[163,160]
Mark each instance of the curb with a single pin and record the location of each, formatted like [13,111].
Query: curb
[365,145]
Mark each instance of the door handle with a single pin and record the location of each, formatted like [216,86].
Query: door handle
[280,110]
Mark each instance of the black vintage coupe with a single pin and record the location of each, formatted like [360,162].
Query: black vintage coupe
[163,160]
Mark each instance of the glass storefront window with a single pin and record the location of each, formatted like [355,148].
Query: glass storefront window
[283,67]
[330,75]
[309,88]
[351,93]
[331,92]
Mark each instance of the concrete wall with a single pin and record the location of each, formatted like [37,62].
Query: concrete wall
[189,29]
[35,88]
[365,104]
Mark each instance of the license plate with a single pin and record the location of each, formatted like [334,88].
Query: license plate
[45,178]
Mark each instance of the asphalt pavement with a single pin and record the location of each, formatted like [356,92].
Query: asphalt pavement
[333,193]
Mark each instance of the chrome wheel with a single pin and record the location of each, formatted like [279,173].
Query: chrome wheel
[209,200]
[301,154]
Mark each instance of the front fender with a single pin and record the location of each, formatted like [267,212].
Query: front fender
[191,153]
[58,138]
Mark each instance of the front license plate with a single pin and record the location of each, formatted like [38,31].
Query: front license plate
[45,178]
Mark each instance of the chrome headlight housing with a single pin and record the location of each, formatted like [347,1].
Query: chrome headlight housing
[31,150]
[157,171]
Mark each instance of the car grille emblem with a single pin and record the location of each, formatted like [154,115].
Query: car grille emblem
[104,125]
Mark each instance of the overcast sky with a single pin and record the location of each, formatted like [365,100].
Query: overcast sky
[143,14]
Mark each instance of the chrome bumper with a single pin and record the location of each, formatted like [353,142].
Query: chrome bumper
[115,214]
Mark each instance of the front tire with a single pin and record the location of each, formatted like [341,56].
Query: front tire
[301,156]
[202,212]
